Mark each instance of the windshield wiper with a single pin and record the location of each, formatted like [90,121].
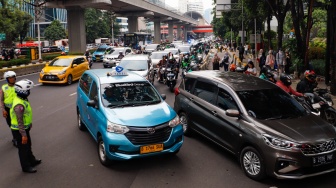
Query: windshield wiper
[146,103]
[281,117]
[119,105]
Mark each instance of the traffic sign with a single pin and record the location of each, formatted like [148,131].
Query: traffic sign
[2,36]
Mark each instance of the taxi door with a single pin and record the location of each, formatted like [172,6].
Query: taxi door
[76,68]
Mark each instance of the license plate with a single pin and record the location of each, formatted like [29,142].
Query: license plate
[151,148]
[322,159]
[316,106]
[49,77]
[97,57]
[170,74]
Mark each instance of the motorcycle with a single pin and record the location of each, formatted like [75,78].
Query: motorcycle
[170,78]
[185,66]
[319,103]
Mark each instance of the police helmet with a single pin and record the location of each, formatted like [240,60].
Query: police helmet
[23,87]
[9,74]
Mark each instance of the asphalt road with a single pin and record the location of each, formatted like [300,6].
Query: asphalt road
[69,156]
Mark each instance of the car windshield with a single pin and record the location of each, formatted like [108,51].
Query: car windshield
[150,47]
[60,62]
[158,55]
[134,65]
[129,94]
[174,51]
[269,104]
[101,50]
[115,51]
[184,48]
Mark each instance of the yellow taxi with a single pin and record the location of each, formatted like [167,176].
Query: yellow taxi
[64,69]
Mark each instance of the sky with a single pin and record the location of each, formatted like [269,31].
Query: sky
[206,3]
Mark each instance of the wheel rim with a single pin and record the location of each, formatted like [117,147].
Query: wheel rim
[102,151]
[183,120]
[251,163]
[69,79]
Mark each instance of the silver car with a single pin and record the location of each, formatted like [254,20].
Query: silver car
[111,59]
[176,53]
[138,63]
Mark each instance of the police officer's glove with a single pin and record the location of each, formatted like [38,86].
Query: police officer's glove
[24,139]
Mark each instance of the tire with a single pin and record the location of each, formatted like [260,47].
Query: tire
[69,79]
[81,125]
[330,116]
[105,66]
[185,121]
[171,88]
[104,160]
[252,163]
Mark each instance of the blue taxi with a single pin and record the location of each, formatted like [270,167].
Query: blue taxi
[126,115]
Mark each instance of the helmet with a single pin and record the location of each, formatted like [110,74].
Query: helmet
[120,52]
[310,75]
[285,79]
[9,74]
[186,58]
[22,87]
[206,51]
[165,56]
[265,69]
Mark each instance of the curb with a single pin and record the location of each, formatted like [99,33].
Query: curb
[23,69]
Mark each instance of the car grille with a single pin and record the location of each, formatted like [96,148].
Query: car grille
[142,135]
[50,78]
[312,149]
[98,55]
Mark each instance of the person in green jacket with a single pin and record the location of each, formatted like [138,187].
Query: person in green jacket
[21,124]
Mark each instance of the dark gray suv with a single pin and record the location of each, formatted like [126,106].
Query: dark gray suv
[266,128]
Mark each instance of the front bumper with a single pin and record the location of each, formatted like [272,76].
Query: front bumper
[53,78]
[110,63]
[119,147]
[283,164]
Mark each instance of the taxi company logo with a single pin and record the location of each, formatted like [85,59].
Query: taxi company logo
[151,130]
[119,69]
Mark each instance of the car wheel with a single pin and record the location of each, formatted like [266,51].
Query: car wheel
[105,66]
[69,79]
[81,125]
[184,121]
[104,160]
[252,163]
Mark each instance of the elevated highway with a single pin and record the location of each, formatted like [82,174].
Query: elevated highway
[126,8]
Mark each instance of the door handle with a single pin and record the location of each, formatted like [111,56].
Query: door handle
[214,113]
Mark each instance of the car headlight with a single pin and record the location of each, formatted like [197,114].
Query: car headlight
[115,128]
[278,143]
[62,72]
[174,122]
[42,71]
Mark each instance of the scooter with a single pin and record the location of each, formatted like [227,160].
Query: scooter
[319,103]
[170,79]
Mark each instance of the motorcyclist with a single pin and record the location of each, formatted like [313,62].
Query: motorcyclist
[120,56]
[87,54]
[173,65]
[193,56]
[266,74]
[308,83]
[285,84]
[162,63]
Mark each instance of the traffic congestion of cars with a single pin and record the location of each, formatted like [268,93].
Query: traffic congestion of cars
[263,126]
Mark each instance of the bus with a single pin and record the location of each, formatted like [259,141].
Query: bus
[136,39]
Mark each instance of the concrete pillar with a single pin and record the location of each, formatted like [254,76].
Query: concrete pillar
[178,33]
[76,29]
[185,28]
[132,24]
[157,31]
[171,31]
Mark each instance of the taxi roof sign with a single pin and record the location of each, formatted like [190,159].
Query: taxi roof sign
[117,71]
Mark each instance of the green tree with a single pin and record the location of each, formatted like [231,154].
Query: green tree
[54,31]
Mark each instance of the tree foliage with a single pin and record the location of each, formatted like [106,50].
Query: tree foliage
[54,31]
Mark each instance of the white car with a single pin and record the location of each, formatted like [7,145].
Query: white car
[138,63]
[111,59]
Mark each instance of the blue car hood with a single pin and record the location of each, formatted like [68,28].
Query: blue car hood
[141,116]
[98,53]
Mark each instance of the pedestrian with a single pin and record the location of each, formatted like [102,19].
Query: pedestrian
[215,62]
[246,48]
[262,60]
[241,52]
[270,60]
[281,61]
[288,62]
[21,124]
[206,60]
[225,61]
[251,70]
[7,94]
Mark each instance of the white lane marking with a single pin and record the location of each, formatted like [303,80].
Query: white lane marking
[37,84]
[73,94]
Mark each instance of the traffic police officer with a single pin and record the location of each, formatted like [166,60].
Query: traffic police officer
[21,123]
[7,95]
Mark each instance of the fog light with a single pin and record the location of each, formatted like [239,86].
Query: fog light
[114,148]
[285,166]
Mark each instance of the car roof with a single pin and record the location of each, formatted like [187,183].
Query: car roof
[101,75]
[237,81]
[136,57]
[69,56]
[160,52]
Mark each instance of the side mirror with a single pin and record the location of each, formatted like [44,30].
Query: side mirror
[92,103]
[163,96]
[232,113]
[74,65]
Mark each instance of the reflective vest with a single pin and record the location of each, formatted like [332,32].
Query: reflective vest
[9,94]
[27,114]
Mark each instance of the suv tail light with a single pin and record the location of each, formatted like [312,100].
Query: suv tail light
[176,91]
